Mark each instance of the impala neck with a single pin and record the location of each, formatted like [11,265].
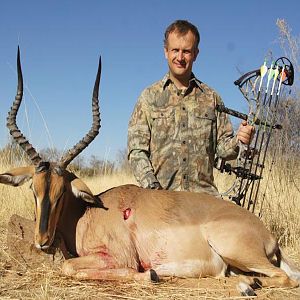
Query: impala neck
[72,211]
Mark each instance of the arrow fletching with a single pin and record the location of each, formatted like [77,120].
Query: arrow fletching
[263,70]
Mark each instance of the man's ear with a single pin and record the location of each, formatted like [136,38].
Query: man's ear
[196,54]
[166,52]
[17,176]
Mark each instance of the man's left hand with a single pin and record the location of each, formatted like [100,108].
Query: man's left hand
[245,133]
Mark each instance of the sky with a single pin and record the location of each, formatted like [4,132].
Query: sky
[61,41]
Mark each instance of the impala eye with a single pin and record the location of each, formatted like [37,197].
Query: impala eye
[61,195]
[31,186]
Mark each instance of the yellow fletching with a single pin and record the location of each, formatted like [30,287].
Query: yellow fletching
[263,70]
[276,73]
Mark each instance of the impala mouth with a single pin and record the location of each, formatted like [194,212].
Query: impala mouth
[44,245]
[41,247]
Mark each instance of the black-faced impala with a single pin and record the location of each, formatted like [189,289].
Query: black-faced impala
[132,233]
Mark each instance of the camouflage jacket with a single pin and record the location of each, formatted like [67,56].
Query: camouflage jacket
[174,135]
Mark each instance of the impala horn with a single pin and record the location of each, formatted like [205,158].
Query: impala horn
[21,140]
[17,135]
[90,136]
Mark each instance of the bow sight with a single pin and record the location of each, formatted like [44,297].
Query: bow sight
[262,89]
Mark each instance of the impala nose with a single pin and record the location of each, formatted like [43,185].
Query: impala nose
[42,243]
[42,246]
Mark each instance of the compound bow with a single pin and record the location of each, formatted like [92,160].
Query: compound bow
[262,89]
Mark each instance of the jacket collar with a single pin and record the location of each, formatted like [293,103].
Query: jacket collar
[193,81]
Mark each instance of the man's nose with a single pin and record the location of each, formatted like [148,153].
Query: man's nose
[180,56]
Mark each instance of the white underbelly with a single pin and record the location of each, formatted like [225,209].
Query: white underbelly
[193,268]
[184,252]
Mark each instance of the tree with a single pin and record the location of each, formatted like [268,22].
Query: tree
[51,154]
[123,163]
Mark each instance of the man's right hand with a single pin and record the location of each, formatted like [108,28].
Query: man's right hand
[155,186]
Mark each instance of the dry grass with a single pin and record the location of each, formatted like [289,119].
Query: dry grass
[46,283]
[49,284]
[279,197]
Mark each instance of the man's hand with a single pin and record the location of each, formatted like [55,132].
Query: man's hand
[245,133]
[155,186]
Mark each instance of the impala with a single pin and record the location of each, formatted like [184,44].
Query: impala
[132,233]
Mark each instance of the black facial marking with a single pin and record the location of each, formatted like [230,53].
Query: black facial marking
[45,206]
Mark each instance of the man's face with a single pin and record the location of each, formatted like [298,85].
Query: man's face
[181,53]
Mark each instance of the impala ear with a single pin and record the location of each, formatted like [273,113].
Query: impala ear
[17,176]
[80,189]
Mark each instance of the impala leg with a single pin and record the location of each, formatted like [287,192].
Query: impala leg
[273,276]
[276,277]
[93,267]
[254,259]
[117,274]
[72,266]
[289,267]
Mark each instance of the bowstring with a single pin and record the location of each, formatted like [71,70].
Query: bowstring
[251,121]
[268,139]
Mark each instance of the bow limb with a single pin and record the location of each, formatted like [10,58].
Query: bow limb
[261,89]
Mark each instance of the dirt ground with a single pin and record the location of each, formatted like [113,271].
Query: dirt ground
[22,281]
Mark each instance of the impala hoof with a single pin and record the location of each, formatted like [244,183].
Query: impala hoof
[246,290]
[153,276]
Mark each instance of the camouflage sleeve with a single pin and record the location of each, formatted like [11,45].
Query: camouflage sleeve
[227,142]
[138,145]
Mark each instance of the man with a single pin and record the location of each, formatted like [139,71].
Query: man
[175,132]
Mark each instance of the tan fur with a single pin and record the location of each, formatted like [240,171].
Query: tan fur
[174,233]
